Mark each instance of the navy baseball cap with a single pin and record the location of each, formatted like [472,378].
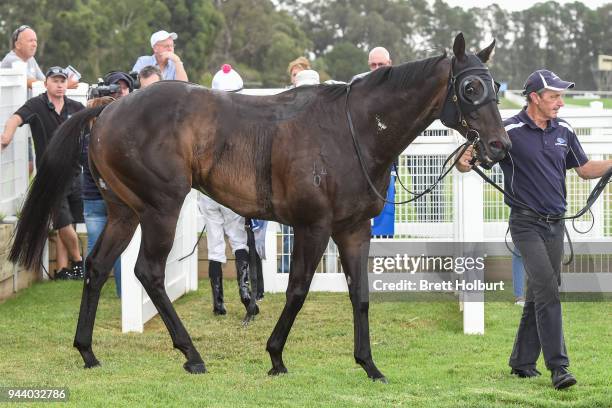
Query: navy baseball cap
[545,79]
[56,71]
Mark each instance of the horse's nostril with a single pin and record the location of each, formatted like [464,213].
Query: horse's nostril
[497,145]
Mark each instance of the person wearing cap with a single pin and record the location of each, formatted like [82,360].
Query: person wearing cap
[125,82]
[544,146]
[45,113]
[25,43]
[94,207]
[163,57]
[221,221]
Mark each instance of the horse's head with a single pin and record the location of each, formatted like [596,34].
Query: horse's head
[471,104]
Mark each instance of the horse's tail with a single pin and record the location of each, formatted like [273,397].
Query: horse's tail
[54,176]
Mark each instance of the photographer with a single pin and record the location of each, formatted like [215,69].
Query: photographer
[116,85]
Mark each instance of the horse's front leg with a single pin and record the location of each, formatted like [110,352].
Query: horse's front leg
[308,247]
[354,246]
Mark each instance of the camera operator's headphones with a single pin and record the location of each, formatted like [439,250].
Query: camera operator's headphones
[115,76]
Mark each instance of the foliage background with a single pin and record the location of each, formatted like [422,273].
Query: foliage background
[260,37]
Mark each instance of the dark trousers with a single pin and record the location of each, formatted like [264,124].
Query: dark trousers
[541,245]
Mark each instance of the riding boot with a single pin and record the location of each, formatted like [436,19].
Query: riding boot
[242,276]
[216,283]
[260,281]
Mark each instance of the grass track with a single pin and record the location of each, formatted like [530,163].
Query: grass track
[419,346]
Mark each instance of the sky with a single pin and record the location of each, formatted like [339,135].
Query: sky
[515,5]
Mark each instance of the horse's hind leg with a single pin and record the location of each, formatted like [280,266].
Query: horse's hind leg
[354,246]
[310,242]
[158,227]
[115,237]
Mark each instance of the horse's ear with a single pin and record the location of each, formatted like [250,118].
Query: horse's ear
[486,53]
[459,46]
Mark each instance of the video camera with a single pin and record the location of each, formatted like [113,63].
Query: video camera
[108,85]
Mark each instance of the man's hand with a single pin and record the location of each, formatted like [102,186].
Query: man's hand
[169,55]
[464,164]
[4,141]
[10,127]
[181,75]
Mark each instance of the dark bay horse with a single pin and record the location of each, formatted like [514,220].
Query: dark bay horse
[288,158]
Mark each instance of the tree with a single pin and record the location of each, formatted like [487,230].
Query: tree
[345,60]
[261,38]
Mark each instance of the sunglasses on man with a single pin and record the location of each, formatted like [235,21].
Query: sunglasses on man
[18,31]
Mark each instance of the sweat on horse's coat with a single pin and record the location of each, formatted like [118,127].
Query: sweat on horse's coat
[287,158]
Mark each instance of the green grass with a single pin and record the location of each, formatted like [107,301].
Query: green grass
[418,345]
[607,102]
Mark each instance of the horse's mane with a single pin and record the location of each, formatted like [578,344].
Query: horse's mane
[395,76]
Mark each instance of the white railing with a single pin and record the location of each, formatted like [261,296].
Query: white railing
[443,215]
[14,158]
[181,275]
[461,208]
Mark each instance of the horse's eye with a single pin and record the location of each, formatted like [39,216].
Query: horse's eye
[470,91]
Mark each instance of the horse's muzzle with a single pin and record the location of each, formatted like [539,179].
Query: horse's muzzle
[491,152]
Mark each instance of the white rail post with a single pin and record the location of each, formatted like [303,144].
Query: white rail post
[469,227]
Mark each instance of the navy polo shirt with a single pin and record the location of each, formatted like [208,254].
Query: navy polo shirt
[534,168]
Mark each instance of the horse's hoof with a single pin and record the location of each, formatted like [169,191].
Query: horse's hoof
[382,379]
[194,368]
[277,371]
[253,310]
[247,319]
[92,364]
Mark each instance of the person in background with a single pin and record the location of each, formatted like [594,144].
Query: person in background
[94,207]
[518,278]
[295,66]
[221,221]
[149,75]
[45,113]
[308,77]
[383,225]
[125,82]
[24,45]
[163,57]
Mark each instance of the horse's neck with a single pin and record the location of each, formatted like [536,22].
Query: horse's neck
[391,119]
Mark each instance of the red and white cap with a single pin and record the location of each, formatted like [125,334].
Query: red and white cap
[227,79]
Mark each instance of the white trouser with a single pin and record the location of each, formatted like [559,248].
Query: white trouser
[221,220]
[260,238]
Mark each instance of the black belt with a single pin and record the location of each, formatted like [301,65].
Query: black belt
[550,218]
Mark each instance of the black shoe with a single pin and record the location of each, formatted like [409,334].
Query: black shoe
[63,274]
[561,378]
[527,373]
[77,270]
